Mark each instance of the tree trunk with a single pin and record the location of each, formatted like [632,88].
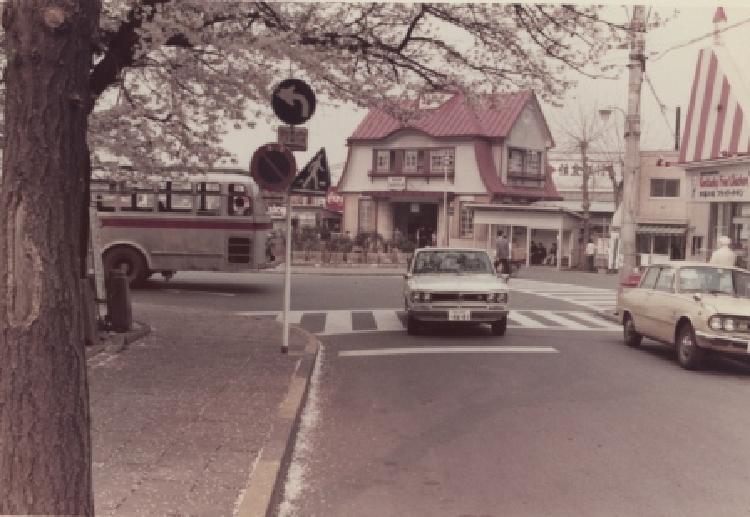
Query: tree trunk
[45,445]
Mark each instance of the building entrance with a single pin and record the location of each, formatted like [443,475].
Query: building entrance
[416,221]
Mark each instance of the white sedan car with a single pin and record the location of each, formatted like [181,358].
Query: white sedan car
[455,285]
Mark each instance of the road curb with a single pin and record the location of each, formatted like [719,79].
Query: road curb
[115,343]
[266,483]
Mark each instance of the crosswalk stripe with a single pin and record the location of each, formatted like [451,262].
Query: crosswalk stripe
[387,320]
[338,322]
[594,319]
[333,322]
[525,321]
[565,322]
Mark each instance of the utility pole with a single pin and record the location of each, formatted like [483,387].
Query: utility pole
[585,202]
[631,174]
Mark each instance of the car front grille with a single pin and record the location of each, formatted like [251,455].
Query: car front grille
[459,297]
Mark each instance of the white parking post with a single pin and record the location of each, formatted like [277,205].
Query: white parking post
[287,276]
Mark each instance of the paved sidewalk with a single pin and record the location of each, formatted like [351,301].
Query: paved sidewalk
[187,418]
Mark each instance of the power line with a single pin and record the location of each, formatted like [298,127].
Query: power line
[699,38]
[662,106]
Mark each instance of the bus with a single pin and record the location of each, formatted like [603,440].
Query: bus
[212,221]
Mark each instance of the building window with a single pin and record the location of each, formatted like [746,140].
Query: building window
[442,160]
[383,161]
[413,160]
[697,246]
[466,228]
[661,187]
[366,216]
[524,164]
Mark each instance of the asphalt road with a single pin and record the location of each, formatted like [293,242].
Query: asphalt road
[554,419]
[264,292]
[594,428]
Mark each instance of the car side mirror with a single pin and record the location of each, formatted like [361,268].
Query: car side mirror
[407,276]
[697,297]
[505,277]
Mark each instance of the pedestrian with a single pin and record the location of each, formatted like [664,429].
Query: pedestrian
[503,254]
[724,256]
[590,254]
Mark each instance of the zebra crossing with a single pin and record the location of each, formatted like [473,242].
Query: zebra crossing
[333,322]
[595,298]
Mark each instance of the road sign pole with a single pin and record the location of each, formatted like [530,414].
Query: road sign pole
[287,275]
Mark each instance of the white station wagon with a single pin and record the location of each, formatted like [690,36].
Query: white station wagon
[455,285]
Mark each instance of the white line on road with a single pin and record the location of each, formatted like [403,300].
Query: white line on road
[338,322]
[565,322]
[449,350]
[387,320]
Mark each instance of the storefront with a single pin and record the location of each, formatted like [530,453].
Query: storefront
[724,184]
[533,228]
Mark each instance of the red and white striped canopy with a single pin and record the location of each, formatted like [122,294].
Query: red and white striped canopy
[717,122]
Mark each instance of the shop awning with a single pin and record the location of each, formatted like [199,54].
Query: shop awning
[660,229]
[407,194]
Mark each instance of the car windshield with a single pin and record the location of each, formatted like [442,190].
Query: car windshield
[452,261]
[714,280]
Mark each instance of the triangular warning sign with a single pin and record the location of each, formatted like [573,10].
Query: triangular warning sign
[315,178]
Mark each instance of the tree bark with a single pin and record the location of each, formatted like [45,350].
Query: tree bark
[45,445]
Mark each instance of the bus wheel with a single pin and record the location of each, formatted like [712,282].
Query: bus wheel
[129,260]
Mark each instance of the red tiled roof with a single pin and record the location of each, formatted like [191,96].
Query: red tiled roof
[491,116]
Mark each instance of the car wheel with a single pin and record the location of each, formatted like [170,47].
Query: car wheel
[128,260]
[689,354]
[499,327]
[631,336]
[413,326]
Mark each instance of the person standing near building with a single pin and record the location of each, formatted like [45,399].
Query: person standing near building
[724,256]
[503,253]
[590,254]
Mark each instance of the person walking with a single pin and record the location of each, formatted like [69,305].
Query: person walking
[590,254]
[503,253]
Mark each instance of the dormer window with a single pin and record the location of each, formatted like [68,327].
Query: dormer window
[383,161]
[524,163]
[442,160]
[413,160]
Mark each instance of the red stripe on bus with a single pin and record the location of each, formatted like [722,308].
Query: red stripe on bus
[127,222]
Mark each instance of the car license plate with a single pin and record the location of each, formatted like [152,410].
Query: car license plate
[459,315]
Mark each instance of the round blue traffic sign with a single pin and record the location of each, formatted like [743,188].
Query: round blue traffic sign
[293,101]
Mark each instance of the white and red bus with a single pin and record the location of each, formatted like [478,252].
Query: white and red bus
[213,221]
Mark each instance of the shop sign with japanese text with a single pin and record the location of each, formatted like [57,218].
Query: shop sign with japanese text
[721,186]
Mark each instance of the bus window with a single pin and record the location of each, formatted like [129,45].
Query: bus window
[136,197]
[175,196]
[103,195]
[208,198]
[240,202]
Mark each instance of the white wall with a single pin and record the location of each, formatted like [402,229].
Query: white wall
[467,178]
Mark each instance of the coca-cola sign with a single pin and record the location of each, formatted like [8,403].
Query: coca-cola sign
[334,200]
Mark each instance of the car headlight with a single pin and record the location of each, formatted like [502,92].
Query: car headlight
[729,325]
[416,296]
[715,323]
[502,297]
[491,297]
[426,297]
